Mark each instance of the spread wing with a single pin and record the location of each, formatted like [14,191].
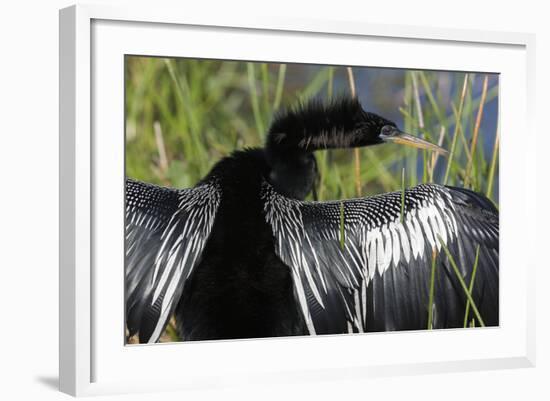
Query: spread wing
[357,267]
[166,231]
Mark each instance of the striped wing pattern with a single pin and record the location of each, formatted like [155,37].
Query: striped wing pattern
[376,278]
[166,231]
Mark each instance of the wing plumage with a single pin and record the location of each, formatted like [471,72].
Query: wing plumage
[358,267]
[166,231]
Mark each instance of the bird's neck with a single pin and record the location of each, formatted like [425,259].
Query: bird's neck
[292,173]
[241,174]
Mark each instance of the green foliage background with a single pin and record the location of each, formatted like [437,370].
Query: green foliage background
[183,115]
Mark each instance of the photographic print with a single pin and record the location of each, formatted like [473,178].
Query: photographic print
[268,199]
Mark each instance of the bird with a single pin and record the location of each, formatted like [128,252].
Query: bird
[242,254]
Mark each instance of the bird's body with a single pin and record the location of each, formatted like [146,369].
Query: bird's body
[242,255]
[240,288]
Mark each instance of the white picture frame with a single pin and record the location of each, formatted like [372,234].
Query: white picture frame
[92,352]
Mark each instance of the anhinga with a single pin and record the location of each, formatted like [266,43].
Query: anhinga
[242,254]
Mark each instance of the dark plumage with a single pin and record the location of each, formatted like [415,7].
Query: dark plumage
[240,288]
[241,255]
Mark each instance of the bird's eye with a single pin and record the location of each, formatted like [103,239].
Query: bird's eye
[387,130]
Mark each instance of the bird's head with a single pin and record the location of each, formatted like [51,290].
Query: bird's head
[296,133]
[373,129]
[389,133]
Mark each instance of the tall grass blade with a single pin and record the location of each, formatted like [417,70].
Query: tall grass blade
[171,330]
[351,81]
[492,169]
[342,227]
[279,88]
[468,178]
[420,117]
[411,154]
[384,177]
[191,123]
[461,281]
[462,136]
[472,280]
[403,195]
[163,159]
[432,291]
[314,86]
[265,89]
[435,155]
[254,98]
[330,83]
[492,93]
[417,102]
[431,99]
[457,127]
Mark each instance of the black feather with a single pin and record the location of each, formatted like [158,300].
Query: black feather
[398,291]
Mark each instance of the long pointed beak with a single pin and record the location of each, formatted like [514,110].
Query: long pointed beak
[403,138]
